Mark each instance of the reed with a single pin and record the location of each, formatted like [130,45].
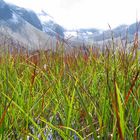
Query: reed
[77,95]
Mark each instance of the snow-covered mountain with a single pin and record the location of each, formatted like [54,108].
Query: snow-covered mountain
[40,20]
[27,15]
[49,25]
[93,35]
[39,29]
[25,26]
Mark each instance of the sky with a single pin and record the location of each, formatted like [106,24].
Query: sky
[73,14]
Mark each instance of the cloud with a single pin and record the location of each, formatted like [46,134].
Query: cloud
[86,13]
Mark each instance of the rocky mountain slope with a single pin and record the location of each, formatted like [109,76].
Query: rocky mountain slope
[37,30]
[24,26]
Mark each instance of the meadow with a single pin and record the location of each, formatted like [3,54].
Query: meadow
[84,95]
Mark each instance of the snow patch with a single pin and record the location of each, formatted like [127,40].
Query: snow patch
[14,18]
[71,33]
[89,33]
[44,17]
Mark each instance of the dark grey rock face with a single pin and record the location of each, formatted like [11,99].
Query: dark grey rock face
[53,29]
[5,11]
[27,15]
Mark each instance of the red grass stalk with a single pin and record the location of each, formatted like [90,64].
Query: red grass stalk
[4,113]
[35,60]
[119,125]
[135,134]
[33,76]
[131,88]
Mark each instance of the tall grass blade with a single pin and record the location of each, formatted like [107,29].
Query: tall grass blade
[120,113]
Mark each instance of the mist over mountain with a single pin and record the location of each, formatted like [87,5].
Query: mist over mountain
[25,26]
[36,30]
[96,35]
[27,15]
[49,25]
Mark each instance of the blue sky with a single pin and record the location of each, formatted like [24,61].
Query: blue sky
[86,13]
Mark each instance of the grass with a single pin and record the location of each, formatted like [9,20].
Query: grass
[71,96]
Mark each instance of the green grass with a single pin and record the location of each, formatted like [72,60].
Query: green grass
[95,95]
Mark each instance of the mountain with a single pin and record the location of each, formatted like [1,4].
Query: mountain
[123,31]
[41,30]
[5,11]
[23,26]
[49,25]
[41,21]
[93,35]
[27,15]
